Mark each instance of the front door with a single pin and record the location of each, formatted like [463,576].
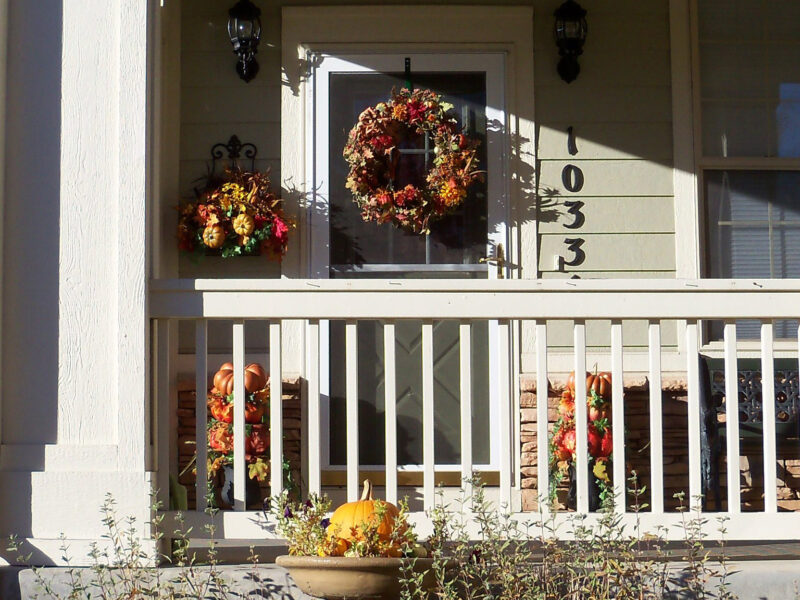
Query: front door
[343,246]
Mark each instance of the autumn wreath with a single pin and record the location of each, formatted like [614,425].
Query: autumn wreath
[372,151]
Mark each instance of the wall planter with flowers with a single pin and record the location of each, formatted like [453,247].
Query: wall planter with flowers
[372,153]
[236,214]
[361,551]
[600,440]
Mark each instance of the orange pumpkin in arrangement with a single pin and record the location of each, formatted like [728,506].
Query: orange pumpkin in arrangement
[600,383]
[348,520]
[214,236]
[255,378]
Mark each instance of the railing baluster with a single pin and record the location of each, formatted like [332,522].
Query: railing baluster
[351,361]
[390,407]
[428,454]
[542,433]
[656,420]
[768,418]
[732,417]
[163,424]
[693,385]
[465,351]
[314,448]
[506,422]
[239,395]
[201,411]
[618,416]
[275,410]
[581,445]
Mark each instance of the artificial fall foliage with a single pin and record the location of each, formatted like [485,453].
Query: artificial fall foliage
[238,216]
[600,442]
[220,426]
[372,153]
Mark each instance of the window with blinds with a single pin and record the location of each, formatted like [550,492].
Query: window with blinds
[748,150]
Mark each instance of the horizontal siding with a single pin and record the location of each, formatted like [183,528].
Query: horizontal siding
[620,112]
[608,141]
[237,104]
[598,334]
[195,136]
[608,178]
[613,252]
[650,214]
[601,104]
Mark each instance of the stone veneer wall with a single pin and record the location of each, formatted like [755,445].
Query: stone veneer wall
[637,455]
[186,432]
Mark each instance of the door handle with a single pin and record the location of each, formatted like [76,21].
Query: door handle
[498,260]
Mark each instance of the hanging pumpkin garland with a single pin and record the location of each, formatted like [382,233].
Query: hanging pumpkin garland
[373,153]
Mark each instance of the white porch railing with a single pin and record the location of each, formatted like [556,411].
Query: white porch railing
[510,303]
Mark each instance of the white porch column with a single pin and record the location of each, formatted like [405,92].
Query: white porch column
[75,325]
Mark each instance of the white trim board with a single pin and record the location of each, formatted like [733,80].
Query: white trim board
[3,59]
[687,217]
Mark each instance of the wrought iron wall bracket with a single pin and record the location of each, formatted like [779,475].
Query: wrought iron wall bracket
[235,149]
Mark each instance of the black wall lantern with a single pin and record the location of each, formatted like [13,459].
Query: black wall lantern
[570,32]
[244,29]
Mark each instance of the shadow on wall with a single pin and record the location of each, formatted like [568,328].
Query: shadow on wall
[31,246]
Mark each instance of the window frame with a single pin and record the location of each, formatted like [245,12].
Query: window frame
[704,163]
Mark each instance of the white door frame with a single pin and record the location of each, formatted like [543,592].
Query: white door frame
[490,63]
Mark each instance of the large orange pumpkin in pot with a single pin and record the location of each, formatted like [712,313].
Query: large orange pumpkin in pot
[349,519]
[255,378]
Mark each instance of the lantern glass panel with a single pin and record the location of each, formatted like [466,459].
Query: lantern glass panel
[572,30]
[245,30]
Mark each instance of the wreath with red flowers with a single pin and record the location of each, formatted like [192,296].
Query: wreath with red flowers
[372,151]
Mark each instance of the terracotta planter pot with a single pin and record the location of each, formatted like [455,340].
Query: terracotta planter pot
[340,578]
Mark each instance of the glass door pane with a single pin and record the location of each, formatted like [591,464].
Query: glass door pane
[459,239]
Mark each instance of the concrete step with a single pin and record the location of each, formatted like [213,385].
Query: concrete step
[748,580]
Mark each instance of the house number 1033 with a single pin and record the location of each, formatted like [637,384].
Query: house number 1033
[572,178]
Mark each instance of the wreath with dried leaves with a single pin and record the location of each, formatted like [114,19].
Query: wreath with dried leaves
[373,154]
